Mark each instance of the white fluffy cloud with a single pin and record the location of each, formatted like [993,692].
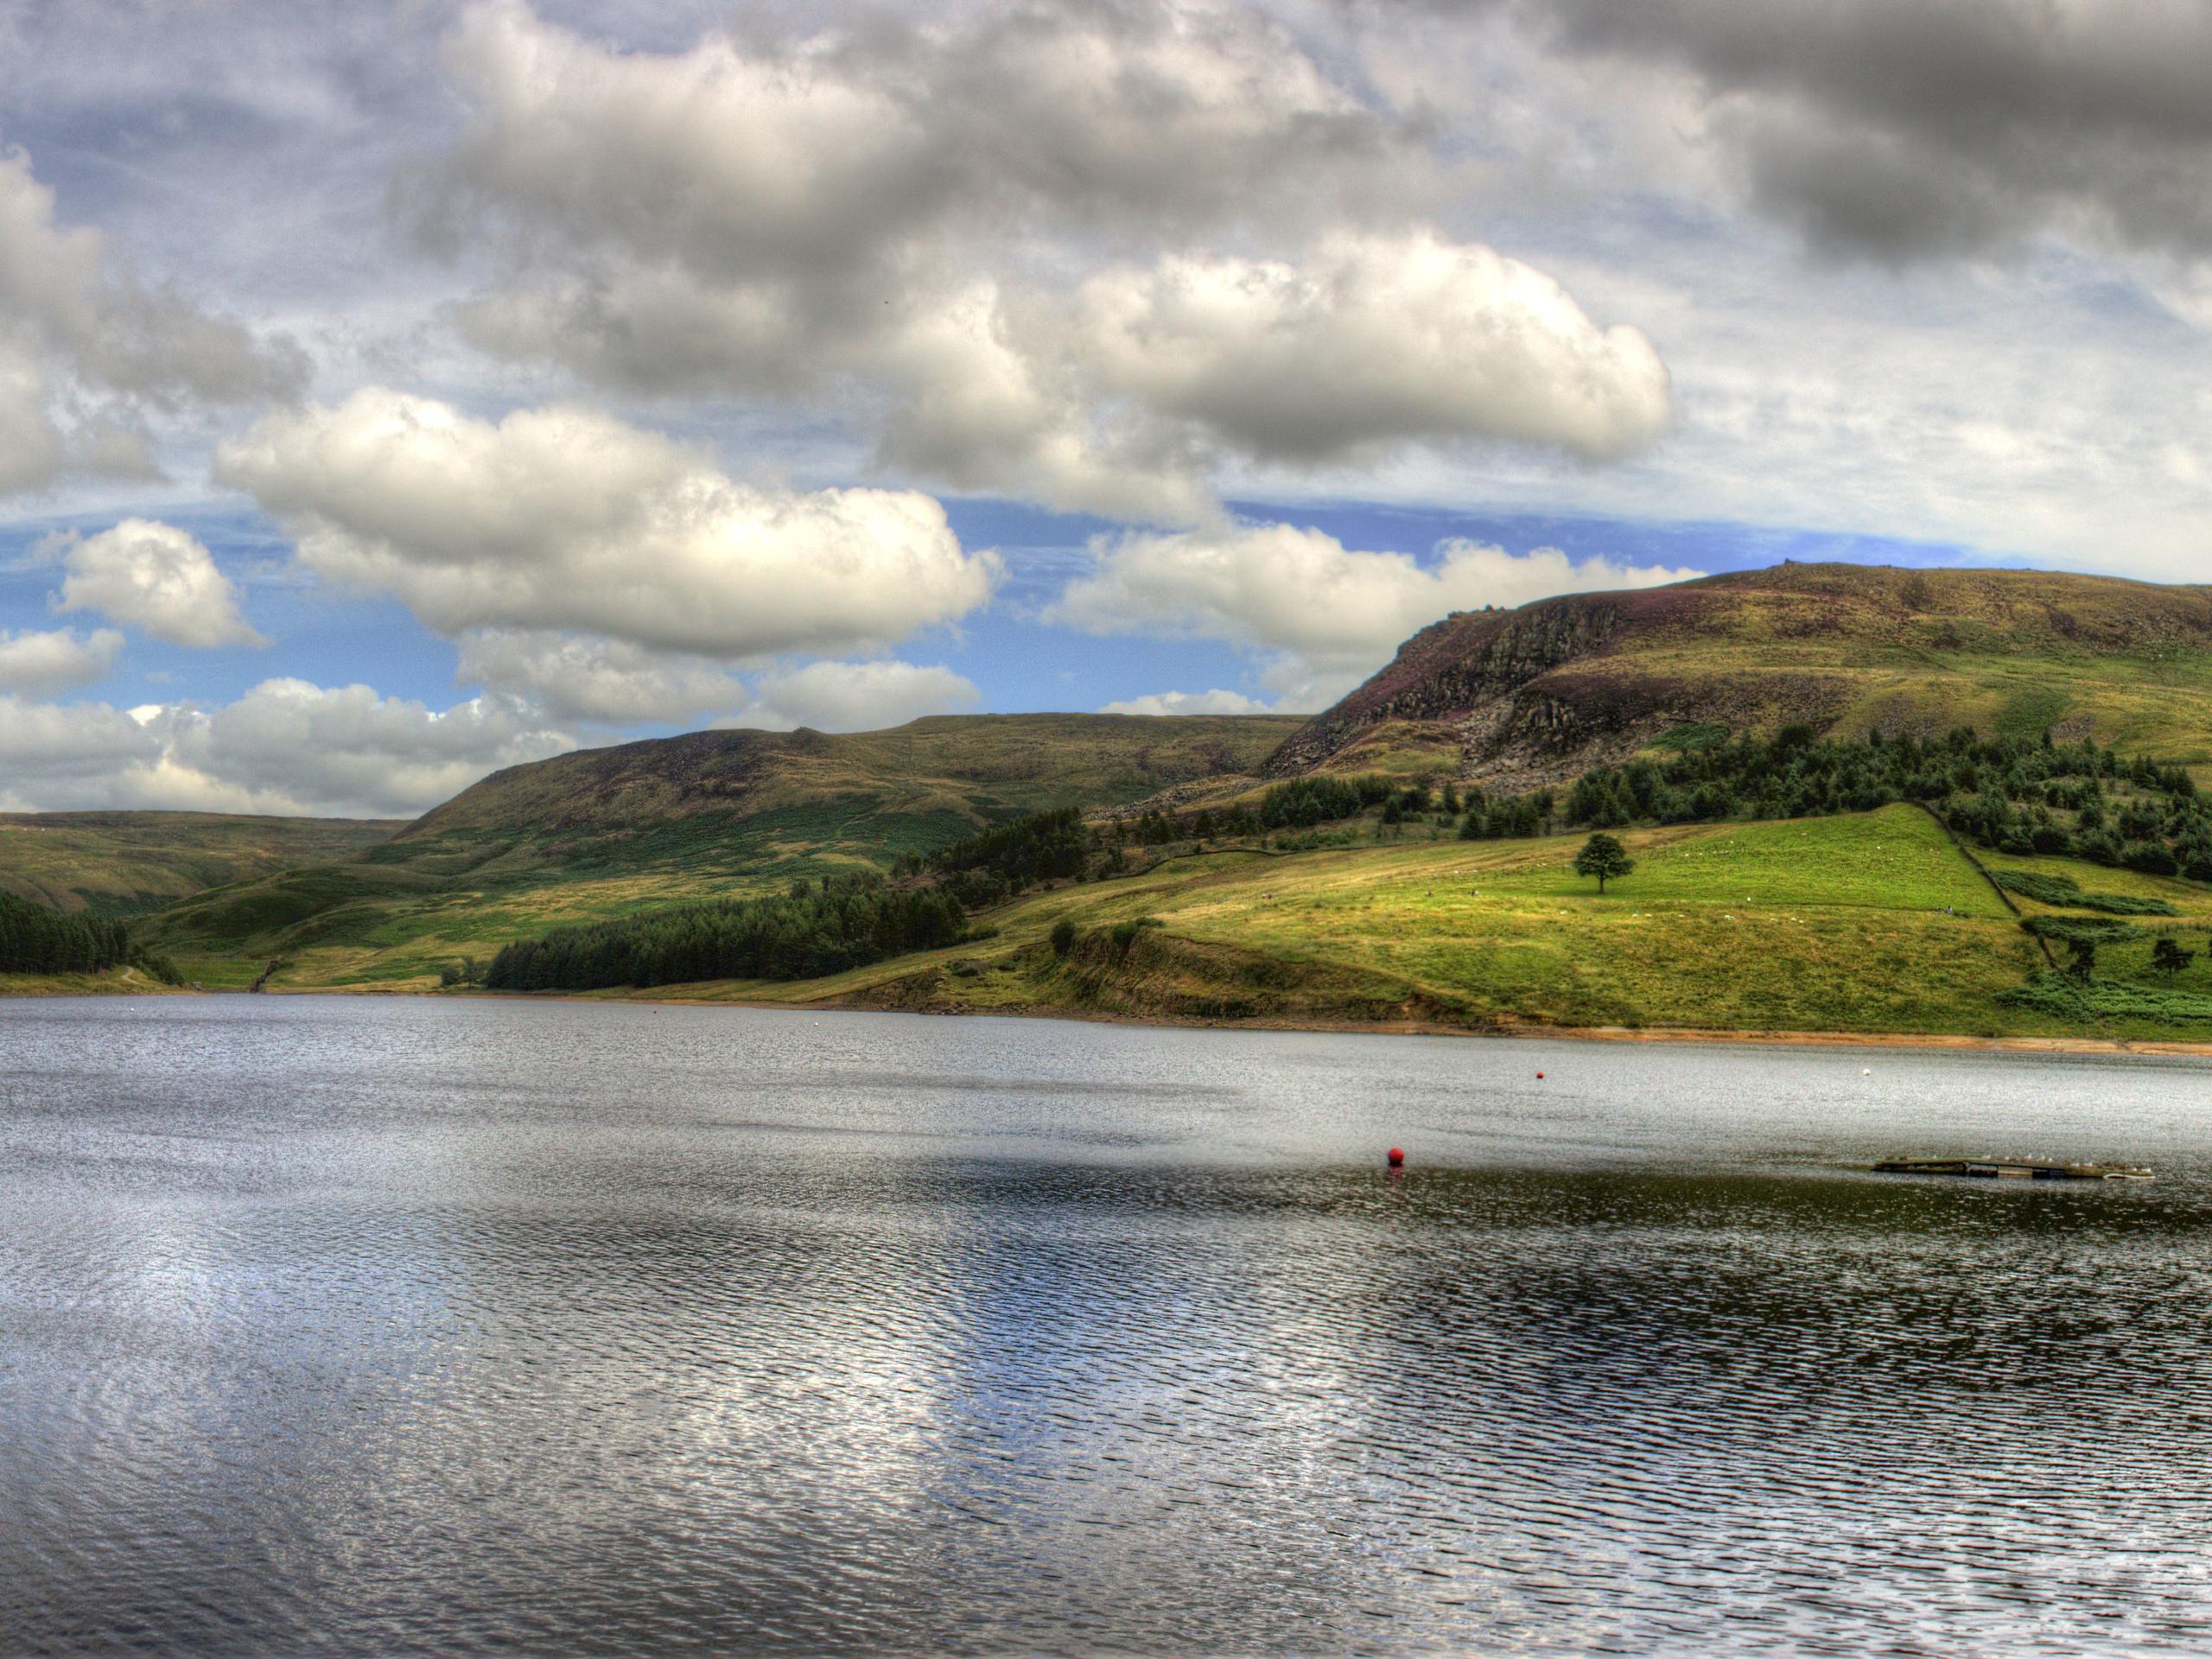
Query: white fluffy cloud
[858,697]
[902,223]
[1372,339]
[56,755]
[54,660]
[1324,615]
[87,354]
[1216,701]
[159,578]
[285,747]
[582,677]
[564,519]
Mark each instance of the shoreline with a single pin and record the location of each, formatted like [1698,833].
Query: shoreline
[1684,1034]
[1715,1036]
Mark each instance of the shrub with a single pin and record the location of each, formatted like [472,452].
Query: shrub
[2064,891]
[2069,997]
[1124,934]
[1063,935]
[2150,858]
[2098,847]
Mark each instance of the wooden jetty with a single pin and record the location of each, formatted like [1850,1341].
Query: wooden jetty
[2010,1169]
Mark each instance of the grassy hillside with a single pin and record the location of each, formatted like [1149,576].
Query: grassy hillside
[1537,694]
[1872,922]
[605,832]
[127,982]
[120,862]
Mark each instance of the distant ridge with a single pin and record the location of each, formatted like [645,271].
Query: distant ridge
[1542,692]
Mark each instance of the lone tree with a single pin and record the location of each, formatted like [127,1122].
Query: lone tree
[2081,936]
[1603,856]
[2167,955]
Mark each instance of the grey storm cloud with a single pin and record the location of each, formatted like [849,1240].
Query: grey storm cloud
[1904,129]
[87,353]
[1062,251]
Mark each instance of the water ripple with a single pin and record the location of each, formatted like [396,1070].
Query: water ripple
[338,1326]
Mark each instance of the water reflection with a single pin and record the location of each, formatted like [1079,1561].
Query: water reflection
[366,1326]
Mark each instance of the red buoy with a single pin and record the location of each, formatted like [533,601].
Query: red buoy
[1540,1077]
[1397,1158]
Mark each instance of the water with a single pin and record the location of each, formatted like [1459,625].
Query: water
[388,1326]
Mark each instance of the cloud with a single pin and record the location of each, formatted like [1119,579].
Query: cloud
[1907,128]
[566,520]
[1324,615]
[584,678]
[1372,339]
[579,677]
[57,755]
[286,746]
[1216,701]
[56,660]
[159,578]
[859,697]
[807,158]
[87,354]
[973,237]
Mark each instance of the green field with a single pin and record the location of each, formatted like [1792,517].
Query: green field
[1869,923]
[126,981]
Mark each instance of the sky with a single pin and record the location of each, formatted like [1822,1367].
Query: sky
[394,391]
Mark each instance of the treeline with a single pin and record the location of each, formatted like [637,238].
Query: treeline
[992,866]
[2011,794]
[816,928]
[1311,803]
[36,940]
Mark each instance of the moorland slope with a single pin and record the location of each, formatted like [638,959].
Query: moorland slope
[119,863]
[604,832]
[1539,694]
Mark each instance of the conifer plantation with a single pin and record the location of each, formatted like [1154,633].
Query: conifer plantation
[36,940]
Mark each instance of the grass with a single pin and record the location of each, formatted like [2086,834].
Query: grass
[126,981]
[2063,892]
[2186,900]
[1874,922]
[1871,922]
[122,864]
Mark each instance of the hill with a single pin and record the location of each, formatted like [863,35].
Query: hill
[1874,922]
[607,831]
[1539,694]
[119,863]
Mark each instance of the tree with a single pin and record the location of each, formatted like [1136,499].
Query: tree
[2167,955]
[2082,936]
[1603,856]
[1063,937]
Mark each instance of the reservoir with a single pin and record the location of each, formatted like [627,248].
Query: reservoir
[414,1327]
